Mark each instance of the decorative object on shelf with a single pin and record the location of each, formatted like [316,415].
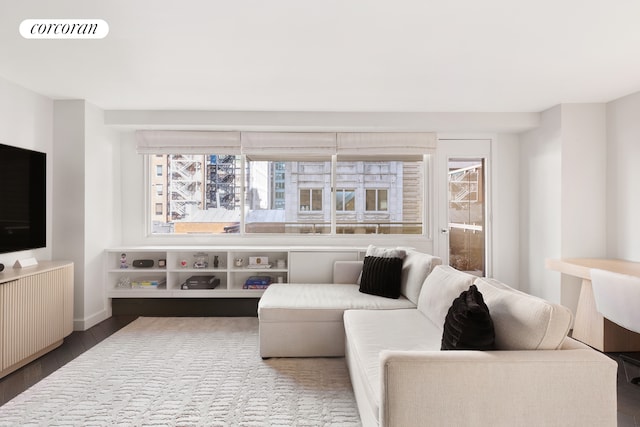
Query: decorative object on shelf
[124,282]
[258,260]
[162,263]
[239,262]
[200,260]
[216,261]
[280,279]
[25,262]
[123,261]
[143,263]
[183,263]
[280,263]
[201,282]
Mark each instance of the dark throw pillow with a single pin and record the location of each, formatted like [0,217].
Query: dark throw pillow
[468,325]
[381,276]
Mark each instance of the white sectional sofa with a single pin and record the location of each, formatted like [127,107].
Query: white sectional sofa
[401,377]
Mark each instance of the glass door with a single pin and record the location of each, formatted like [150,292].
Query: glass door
[466,215]
[462,237]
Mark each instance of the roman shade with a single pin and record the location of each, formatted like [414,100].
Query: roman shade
[289,145]
[306,146]
[390,145]
[187,142]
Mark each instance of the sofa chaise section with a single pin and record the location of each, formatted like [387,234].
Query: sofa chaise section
[306,320]
[537,377]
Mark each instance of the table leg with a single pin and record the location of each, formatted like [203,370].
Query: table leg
[591,328]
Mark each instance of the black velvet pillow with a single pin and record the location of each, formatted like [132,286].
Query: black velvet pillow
[468,325]
[381,276]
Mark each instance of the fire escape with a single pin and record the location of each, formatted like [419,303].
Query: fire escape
[185,184]
[221,182]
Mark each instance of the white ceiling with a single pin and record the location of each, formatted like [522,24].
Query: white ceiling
[331,55]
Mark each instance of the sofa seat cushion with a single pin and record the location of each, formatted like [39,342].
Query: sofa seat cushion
[369,332]
[522,321]
[319,302]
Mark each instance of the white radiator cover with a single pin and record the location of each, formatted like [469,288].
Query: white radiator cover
[36,313]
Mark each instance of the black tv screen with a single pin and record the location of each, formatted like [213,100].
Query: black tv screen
[23,199]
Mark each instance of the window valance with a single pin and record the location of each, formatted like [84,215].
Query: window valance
[389,145]
[290,145]
[187,142]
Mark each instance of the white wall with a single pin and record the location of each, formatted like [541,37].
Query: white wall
[563,173]
[623,178]
[505,182]
[69,183]
[540,216]
[26,120]
[583,202]
[87,205]
[102,209]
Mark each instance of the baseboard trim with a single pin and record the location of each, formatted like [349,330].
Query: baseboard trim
[88,322]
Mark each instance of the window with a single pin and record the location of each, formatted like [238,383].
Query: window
[388,196]
[287,197]
[345,200]
[310,199]
[203,194]
[376,200]
[285,183]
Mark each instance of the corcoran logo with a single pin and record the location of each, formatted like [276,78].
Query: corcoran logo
[64,29]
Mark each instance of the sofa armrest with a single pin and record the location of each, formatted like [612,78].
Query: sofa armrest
[498,388]
[347,272]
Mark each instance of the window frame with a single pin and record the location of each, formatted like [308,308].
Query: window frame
[376,200]
[426,214]
[312,200]
[343,191]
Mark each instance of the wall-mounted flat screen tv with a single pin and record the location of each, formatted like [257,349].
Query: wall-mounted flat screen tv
[23,199]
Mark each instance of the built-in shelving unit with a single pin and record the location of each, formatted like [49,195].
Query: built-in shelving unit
[172,266]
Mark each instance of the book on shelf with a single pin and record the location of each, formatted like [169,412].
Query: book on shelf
[201,282]
[255,286]
[257,282]
[259,266]
[148,283]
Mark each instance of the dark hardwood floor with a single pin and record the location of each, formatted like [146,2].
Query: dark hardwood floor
[80,341]
[628,393]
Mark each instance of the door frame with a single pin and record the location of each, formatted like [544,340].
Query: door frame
[461,147]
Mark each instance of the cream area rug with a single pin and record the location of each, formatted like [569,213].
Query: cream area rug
[188,371]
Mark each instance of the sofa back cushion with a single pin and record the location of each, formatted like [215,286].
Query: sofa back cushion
[415,269]
[440,288]
[522,321]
